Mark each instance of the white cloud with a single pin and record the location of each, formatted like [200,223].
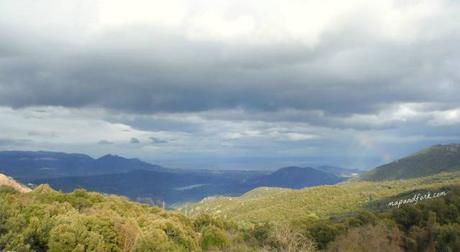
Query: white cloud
[56,125]
[260,21]
[169,13]
[447,117]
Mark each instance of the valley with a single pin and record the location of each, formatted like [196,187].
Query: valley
[145,182]
[349,214]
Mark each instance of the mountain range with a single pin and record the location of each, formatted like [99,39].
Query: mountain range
[176,187]
[147,182]
[153,183]
[30,165]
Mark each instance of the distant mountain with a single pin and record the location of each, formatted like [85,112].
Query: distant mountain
[29,165]
[296,177]
[155,186]
[183,186]
[10,182]
[339,171]
[430,161]
[143,181]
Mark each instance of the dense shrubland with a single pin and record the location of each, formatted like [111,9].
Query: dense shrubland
[431,225]
[46,220]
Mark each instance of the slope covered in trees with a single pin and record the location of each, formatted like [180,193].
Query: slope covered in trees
[46,220]
[430,161]
[281,205]
[430,225]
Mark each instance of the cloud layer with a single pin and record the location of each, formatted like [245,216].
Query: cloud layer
[231,81]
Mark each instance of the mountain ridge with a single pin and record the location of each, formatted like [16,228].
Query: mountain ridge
[137,179]
[31,165]
[175,187]
[429,161]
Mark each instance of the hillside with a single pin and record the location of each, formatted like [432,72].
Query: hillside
[46,220]
[430,161]
[284,205]
[10,182]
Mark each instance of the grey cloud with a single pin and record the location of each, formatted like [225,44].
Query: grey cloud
[158,141]
[14,143]
[164,72]
[134,141]
[155,122]
[104,142]
[43,134]
[158,80]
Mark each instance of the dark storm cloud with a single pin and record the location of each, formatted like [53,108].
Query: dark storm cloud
[144,69]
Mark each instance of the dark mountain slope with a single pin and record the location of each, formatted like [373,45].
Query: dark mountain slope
[137,179]
[430,161]
[296,177]
[28,165]
[176,187]
[156,186]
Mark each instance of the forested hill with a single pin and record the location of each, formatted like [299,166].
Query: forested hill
[46,220]
[430,161]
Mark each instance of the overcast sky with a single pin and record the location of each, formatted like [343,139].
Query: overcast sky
[230,84]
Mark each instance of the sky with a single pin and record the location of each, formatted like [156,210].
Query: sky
[231,84]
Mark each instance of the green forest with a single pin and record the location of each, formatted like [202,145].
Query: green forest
[47,220]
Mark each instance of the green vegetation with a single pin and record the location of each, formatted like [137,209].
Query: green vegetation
[357,215]
[431,225]
[46,220]
[285,205]
[430,161]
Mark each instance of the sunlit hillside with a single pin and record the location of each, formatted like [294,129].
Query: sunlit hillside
[281,205]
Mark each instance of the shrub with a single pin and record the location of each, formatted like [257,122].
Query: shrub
[214,238]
